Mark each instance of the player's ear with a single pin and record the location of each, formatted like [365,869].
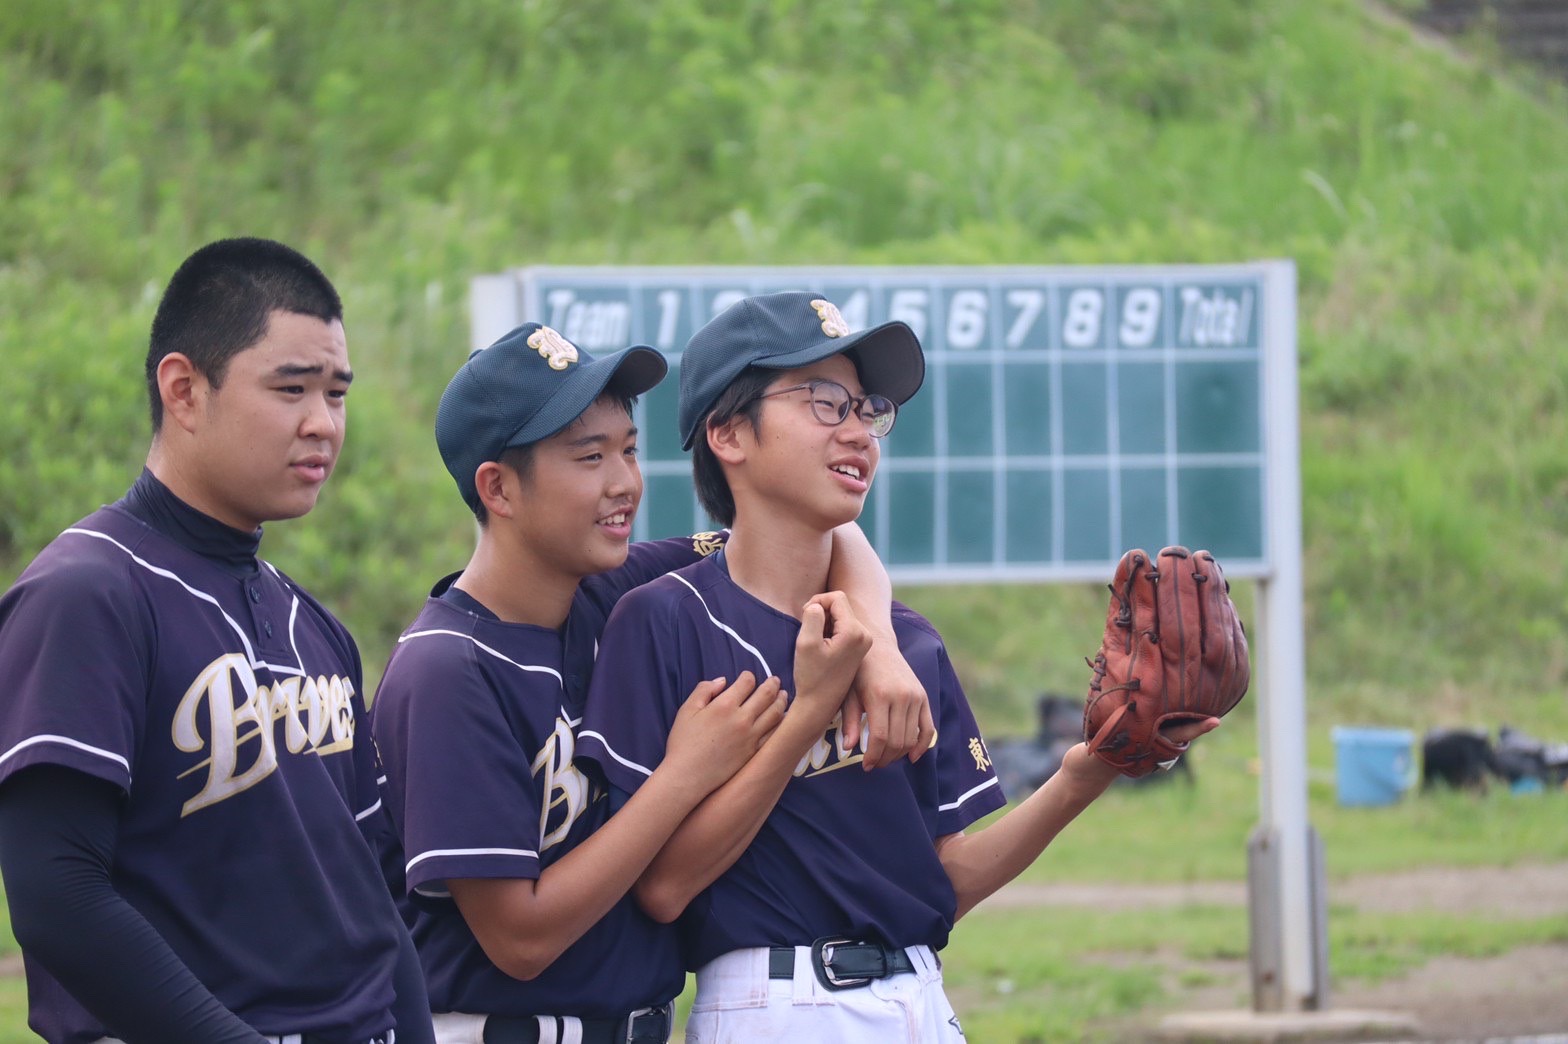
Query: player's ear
[728,439]
[180,386]
[490,481]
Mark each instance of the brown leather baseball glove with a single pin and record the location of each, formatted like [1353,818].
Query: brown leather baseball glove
[1174,652]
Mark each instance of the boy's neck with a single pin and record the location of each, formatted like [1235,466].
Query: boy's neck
[516,587]
[779,561]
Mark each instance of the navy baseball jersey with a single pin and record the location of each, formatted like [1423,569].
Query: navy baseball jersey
[228,709]
[845,851]
[476,720]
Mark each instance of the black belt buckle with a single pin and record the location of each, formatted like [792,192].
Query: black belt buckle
[657,1020]
[822,953]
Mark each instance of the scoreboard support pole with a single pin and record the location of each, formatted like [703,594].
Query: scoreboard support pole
[1285,880]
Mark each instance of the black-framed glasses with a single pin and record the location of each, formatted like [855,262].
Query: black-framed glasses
[831,403]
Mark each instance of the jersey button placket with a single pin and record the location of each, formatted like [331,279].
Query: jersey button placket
[260,614]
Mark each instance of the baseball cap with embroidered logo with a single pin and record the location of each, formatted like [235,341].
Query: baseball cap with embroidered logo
[524,388]
[785,330]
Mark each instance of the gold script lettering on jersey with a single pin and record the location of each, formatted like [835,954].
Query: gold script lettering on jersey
[242,717]
[829,753]
[567,792]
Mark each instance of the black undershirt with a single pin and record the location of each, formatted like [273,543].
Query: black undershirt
[233,549]
[58,828]
[57,834]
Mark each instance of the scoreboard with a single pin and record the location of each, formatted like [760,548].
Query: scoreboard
[1068,413]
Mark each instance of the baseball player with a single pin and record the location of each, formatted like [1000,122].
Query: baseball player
[810,901]
[188,804]
[517,874]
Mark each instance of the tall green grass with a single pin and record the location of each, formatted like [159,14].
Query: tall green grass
[409,146]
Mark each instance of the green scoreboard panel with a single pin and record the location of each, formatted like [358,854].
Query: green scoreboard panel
[1067,414]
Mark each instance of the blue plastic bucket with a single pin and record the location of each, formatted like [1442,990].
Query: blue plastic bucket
[1373,766]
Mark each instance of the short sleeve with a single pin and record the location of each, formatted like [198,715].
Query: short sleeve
[633,697]
[75,659]
[968,787]
[462,778]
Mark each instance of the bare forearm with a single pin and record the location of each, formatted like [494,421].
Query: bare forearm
[980,863]
[524,926]
[886,691]
[590,879]
[857,571]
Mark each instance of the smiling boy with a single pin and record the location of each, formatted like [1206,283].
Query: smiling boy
[811,901]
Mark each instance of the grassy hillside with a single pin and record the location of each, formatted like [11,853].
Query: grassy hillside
[409,146]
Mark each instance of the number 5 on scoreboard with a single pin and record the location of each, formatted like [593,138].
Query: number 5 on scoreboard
[909,307]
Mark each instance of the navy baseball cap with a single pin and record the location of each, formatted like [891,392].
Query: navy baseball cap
[785,330]
[526,387]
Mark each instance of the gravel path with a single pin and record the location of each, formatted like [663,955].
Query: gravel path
[1529,890]
[1523,992]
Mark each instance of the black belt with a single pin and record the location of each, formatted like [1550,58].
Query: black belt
[644,1026]
[842,964]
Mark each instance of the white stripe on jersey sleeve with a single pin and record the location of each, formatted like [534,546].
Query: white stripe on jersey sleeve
[369,811]
[482,647]
[67,741]
[767,672]
[433,853]
[611,751]
[993,781]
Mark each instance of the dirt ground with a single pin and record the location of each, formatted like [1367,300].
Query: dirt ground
[1520,994]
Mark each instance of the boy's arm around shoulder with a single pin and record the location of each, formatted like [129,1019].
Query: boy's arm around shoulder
[896,708]
[647,561]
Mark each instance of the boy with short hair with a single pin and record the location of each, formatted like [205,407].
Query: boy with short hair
[810,900]
[517,874]
[188,801]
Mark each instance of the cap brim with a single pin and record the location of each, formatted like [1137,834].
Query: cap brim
[889,358]
[638,370]
[630,372]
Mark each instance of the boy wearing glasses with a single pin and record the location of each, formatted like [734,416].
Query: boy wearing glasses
[810,901]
